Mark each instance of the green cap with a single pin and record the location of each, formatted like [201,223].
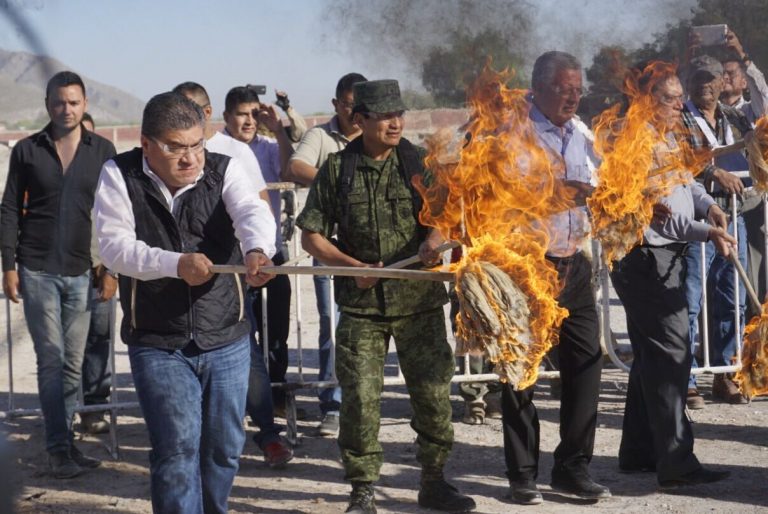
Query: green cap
[378,96]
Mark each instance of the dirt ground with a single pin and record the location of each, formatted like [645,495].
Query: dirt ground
[727,437]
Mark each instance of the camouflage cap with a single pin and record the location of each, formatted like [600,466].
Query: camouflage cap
[378,96]
[704,68]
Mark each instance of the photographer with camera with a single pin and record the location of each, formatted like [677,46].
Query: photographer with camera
[243,115]
[740,74]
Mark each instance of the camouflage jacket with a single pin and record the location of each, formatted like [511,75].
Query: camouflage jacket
[381,226]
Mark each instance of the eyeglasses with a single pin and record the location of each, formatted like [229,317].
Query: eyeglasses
[345,104]
[384,116]
[181,150]
[568,92]
[671,99]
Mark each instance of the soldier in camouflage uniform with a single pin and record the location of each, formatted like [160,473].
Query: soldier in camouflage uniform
[366,191]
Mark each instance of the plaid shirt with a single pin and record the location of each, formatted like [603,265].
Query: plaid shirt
[695,137]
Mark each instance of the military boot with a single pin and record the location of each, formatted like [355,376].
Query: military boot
[362,500]
[437,494]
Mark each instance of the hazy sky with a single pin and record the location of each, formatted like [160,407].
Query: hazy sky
[145,47]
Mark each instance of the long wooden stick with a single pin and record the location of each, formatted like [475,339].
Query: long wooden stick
[743,275]
[450,245]
[343,271]
[735,147]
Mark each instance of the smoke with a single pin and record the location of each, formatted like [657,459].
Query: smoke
[582,28]
[400,33]
[397,33]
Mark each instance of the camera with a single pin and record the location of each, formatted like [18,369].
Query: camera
[710,35]
[259,90]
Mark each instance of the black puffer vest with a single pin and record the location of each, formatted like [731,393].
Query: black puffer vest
[167,313]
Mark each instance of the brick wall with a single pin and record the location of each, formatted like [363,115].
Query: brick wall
[418,124]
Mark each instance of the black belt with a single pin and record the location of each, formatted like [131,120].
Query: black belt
[672,247]
[563,261]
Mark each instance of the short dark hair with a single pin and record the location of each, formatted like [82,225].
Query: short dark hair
[347,81]
[548,64]
[170,111]
[87,117]
[240,95]
[63,79]
[193,89]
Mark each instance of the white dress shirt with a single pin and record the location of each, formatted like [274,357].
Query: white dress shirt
[228,145]
[121,252]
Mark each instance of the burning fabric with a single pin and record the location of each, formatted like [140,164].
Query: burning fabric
[753,375]
[641,163]
[494,317]
[493,194]
[757,146]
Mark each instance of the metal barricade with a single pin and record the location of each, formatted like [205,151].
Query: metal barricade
[706,368]
[602,286]
[112,407]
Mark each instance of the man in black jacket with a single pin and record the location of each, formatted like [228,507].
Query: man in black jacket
[46,228]
[165,213]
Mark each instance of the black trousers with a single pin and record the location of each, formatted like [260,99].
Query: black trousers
[580,359]
[651,284]
[278,325]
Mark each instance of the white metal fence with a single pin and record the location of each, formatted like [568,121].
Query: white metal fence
[298,379]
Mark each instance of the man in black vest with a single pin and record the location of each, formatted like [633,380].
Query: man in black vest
[165,213]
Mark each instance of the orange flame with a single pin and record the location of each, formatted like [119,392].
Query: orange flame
[641,163]
[757,146]
[753,375]
[493,194]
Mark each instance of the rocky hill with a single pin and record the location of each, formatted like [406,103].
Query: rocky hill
[22,91]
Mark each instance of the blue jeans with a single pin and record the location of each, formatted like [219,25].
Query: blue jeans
[720,288]
[330,397]
[259,403]
[97,375]
[193,403]
[57,312]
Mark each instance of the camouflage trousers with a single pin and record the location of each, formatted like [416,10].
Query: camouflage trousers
[426,361]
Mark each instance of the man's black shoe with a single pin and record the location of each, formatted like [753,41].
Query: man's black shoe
[700,476]
[579,485]
[525,492]
[630,468]
[440,495]
[83,460]
[62,465]
[362,500]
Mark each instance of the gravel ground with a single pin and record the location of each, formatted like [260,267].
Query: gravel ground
[727,437]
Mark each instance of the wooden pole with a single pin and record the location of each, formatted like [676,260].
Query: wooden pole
[743,275]
[343,271]
[450,245]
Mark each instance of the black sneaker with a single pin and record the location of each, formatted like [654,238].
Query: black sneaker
[579,485]
[83,460]
[700,476]
[62,465]
[440,495]
[362,499]
[525,492]
[329,426]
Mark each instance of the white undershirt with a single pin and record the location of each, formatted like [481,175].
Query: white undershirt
[116,226]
